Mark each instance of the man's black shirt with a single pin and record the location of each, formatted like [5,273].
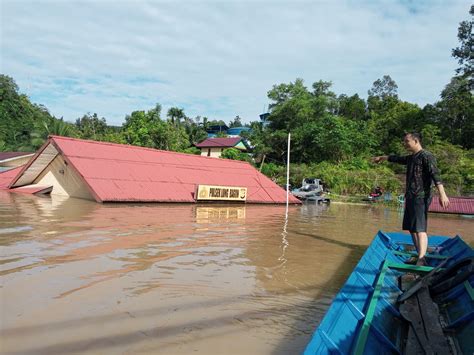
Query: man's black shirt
[421,172]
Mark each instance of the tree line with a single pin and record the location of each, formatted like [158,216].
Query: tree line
[333,135]
[24,126]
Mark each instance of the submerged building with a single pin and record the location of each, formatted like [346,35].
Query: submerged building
[10,160]
[213,147]
[108,172]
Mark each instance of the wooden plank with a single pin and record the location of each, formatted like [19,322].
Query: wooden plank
[431,324]
[411,312]
[423,315]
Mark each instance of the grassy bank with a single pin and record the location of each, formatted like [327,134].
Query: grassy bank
[351,178]
[359,199]
[358,177]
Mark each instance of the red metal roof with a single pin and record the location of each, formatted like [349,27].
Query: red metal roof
[219,142]
[6,177]
[117,172]
[458,205]
[10,155]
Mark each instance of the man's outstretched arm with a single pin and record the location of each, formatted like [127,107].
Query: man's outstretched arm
[390,158]
[380,159]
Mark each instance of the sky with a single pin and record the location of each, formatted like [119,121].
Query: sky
[220,58]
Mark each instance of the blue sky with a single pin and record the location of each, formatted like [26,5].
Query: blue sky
[219,58]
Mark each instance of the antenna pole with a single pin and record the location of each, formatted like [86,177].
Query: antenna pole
[288,174]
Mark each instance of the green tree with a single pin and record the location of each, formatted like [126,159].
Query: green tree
[115,137]
[234,154]
[92,127]
[138,128]
[430,135]
[388,128]
[383,88]
[216,123]
[292,106]
[203,122]
[236,122]
[171,138]
[464,53]
[21,122]
[325,97]
[221,134]
[456,166]
[352,107]
[317,133]
[454,113]
[383,95]
[194,130]
[146,129]
[175,115]
[258,138]
[59,127]
[15,119]
[336,139]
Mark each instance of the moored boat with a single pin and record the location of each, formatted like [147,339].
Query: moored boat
[383,309]
[311,190]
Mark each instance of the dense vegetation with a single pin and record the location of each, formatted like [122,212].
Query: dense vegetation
[333,136]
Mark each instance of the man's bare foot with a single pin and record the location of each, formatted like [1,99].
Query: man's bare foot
[421,262]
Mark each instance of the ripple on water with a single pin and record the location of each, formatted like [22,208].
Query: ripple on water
[15,229]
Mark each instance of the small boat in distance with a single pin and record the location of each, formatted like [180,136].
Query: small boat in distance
[384,308]
[311,190]
[378,195]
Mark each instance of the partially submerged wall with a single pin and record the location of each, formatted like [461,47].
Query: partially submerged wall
[17,161]
[63,178]
[211,152]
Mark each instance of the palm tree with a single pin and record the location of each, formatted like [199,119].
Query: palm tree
[59,128]
[175,114]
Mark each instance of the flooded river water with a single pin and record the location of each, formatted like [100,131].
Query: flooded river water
[77,276]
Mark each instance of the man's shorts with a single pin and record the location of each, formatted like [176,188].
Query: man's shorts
[415,218]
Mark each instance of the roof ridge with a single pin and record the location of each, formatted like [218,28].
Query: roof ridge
[219,142]
[162,163]
[137,147]
[209,138]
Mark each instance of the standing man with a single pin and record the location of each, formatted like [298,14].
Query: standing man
[421,173]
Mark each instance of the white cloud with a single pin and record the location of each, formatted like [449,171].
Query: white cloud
[219,59]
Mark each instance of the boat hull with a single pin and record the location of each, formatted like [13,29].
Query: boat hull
[364,317]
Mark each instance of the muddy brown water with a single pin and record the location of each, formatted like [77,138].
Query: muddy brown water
[81,277]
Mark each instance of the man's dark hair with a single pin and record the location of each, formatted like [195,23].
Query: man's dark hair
[414,135]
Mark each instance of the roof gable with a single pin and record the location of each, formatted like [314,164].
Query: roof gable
[117,172]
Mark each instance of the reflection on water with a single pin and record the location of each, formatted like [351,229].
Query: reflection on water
[77,276]
[207,214]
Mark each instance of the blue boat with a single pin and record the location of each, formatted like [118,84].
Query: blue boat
[384,308]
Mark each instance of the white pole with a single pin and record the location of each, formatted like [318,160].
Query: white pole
[288,174]
[284,241]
